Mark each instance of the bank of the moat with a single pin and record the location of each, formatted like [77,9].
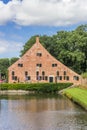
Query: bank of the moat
[78,95]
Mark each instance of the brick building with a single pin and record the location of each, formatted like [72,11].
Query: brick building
[37,65]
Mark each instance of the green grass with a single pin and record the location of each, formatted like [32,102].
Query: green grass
[78,95]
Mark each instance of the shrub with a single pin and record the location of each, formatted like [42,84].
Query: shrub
[37,87]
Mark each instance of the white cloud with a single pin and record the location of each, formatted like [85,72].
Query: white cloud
[44,12]
[10,47]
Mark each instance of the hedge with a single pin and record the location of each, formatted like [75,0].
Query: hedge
[37,87]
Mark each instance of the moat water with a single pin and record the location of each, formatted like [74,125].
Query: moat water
[41,113]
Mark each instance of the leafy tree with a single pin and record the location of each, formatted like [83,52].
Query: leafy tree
[4,64]
[70,47]
[13,60]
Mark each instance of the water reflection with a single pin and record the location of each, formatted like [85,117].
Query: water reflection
[40,113]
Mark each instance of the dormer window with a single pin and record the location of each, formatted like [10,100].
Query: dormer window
[39,54]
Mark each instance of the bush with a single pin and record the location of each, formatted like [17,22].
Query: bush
[84,75]
[36,87]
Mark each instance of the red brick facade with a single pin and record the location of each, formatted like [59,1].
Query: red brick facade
[37,65]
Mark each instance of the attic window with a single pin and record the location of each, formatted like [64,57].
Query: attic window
[20,65]
[54,65]
[39,54]
[39,65]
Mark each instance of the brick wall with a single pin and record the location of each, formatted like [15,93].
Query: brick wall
[38,60]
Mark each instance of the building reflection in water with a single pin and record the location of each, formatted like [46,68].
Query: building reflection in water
[38,113]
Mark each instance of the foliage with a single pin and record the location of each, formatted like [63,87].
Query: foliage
[36,87]
[69,47]
[4,64]
[78,95]
[84,75]
[13,60]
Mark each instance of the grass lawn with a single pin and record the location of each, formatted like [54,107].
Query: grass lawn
[78,95]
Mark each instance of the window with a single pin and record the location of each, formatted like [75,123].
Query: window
[13,73]
[57,73]
[76,78]
[20,65]
[39,54]
[13,77]
[67,77]
[37,72]
[64,72]
[59,78]
[39,65]
[38,77]
[54,65]
[43,73]
[46,78]
[28,78]
[26,72]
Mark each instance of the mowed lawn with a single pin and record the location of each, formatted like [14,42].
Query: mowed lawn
[78,95]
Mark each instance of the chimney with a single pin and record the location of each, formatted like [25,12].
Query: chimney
[37,39]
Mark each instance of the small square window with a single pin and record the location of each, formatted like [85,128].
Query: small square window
[39,54]
[39,65]
[20,65]
[54,65]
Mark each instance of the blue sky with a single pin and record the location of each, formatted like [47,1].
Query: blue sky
[21,19]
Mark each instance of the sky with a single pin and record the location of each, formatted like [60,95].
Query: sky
[21,19]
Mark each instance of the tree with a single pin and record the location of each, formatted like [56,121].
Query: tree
[13,60]
[4,64]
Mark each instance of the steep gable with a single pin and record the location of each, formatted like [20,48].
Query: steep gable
[38,62]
